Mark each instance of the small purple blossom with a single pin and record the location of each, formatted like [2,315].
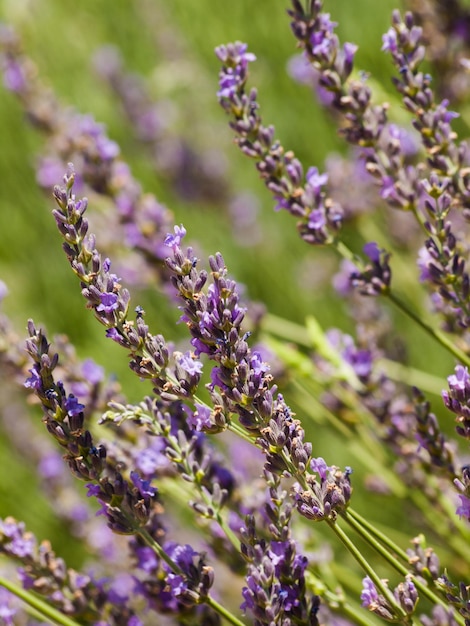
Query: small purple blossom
[201,418]
[315,180]
[92,372]
[390,41]
[463,510]
[146,559]
[369,595]
[372,250]
[8,609]
[319,466]
[109,303]
[73,406]
[144,486]
[34,381]
[174,240]
[189,364]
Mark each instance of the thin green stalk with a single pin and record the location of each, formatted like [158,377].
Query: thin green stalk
[436,334]
[432,332]
[47,612]
[223,612]
[367,568]
[375,538]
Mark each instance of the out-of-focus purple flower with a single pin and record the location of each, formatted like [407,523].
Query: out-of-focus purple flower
[93,372]
[153,458]
[13,76]
[51,466]
[146,559]
[463,510]
[3,291]
[390,41]
[369,595]
[301,70]
[424,261]
[181,554]
[49,171]
[342,279]
[7,607]
[409,145]
[372,250]
[22,546]
[121,588]
[144,486]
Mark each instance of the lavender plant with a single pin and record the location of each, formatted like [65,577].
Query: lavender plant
[222,501]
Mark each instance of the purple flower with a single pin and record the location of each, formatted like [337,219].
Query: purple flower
[109,303]
[174,240]
[390,42]
[189,364]
[201,418]
[372,250]
[13,76]
[34,381]
[22,546]
[463,510]
[93,490]
[51,466]
[152,459]
[349,50]
[7,609]
[142,485]
[460,381]
[315,180]
[73,406]
[93,373]
[317,219]
[319,466]
[115,335]
[146,559]
[369,595]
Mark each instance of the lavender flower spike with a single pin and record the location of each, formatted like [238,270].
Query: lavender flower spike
[319,217]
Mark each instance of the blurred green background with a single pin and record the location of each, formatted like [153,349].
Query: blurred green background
[172,43]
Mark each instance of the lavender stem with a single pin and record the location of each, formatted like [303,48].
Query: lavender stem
[46,611]
[369,532]
[378,582]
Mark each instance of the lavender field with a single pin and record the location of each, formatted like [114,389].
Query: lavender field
[234,310]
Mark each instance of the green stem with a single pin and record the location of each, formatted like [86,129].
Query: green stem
[432,332]
[223,612]
[436,334]
[368,569]
[47,612]
[375,538]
